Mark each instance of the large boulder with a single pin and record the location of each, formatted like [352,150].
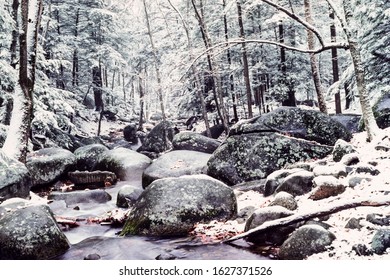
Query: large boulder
[176,164]
[172,206]
[87,156]
[304,124]
[306,241]
[128,195]
[187,140]
[254,156]
[125,163]
[381,241]
[257,147]
[298,183]
[49,164]
[159,139]
[30,232]
[15,179]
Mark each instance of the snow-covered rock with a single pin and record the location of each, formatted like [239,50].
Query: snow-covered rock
[125,163]
[297,183]
[305,241]
[172,206]
[30,232]
[187,140]
[15,178]
[176,164]
[87,156]
[49,164]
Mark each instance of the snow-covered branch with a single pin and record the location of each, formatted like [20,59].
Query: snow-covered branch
[298,19]
[339,15]
[238,41]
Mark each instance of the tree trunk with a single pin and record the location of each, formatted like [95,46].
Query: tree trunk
[15,33]
[141,104]
[245,60]
[229,59]
[368,116]
[156,62]
[75,68]
[97,84]
[16,143]
[300,217]
[313,61]
[335,63]
[290,99]
[213,66]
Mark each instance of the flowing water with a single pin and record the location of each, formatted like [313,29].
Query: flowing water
[93,239]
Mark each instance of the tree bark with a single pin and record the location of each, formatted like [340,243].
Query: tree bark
[75,68]
[245,60]
[313,60]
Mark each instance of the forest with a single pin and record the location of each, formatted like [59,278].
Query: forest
[259,90]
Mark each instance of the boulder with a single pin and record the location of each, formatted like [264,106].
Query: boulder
[276,178]
[285,200]
[77,197]
[159,138]
[253,156]
[355,180]
[310,125]
[176,164]
[381,111]
[341,149]
[87,156]
[172,206]
[350,121]
[15,178]
[216,131]
[326,186]
[125,163]
[49,164]
[337,170]
[128,195]
[381,241]
[274,236]
[31,232]
[305,241]
[130,133]
[194,142]
[298,183]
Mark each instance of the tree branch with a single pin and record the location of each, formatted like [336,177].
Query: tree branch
[298,19]
[329,209]
[341,19]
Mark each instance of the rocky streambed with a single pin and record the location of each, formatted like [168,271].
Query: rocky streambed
[279,186]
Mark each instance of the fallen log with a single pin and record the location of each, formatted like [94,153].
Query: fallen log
[300,217]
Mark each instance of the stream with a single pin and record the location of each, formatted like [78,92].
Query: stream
[94,240]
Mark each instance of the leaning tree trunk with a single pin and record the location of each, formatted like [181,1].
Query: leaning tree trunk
[313,61]
[368,116]
[16,143]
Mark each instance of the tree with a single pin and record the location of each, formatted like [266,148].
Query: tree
[313,60]
[350,28]
[16,143]
[245,60]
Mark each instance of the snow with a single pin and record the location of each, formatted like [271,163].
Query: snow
[14,140]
